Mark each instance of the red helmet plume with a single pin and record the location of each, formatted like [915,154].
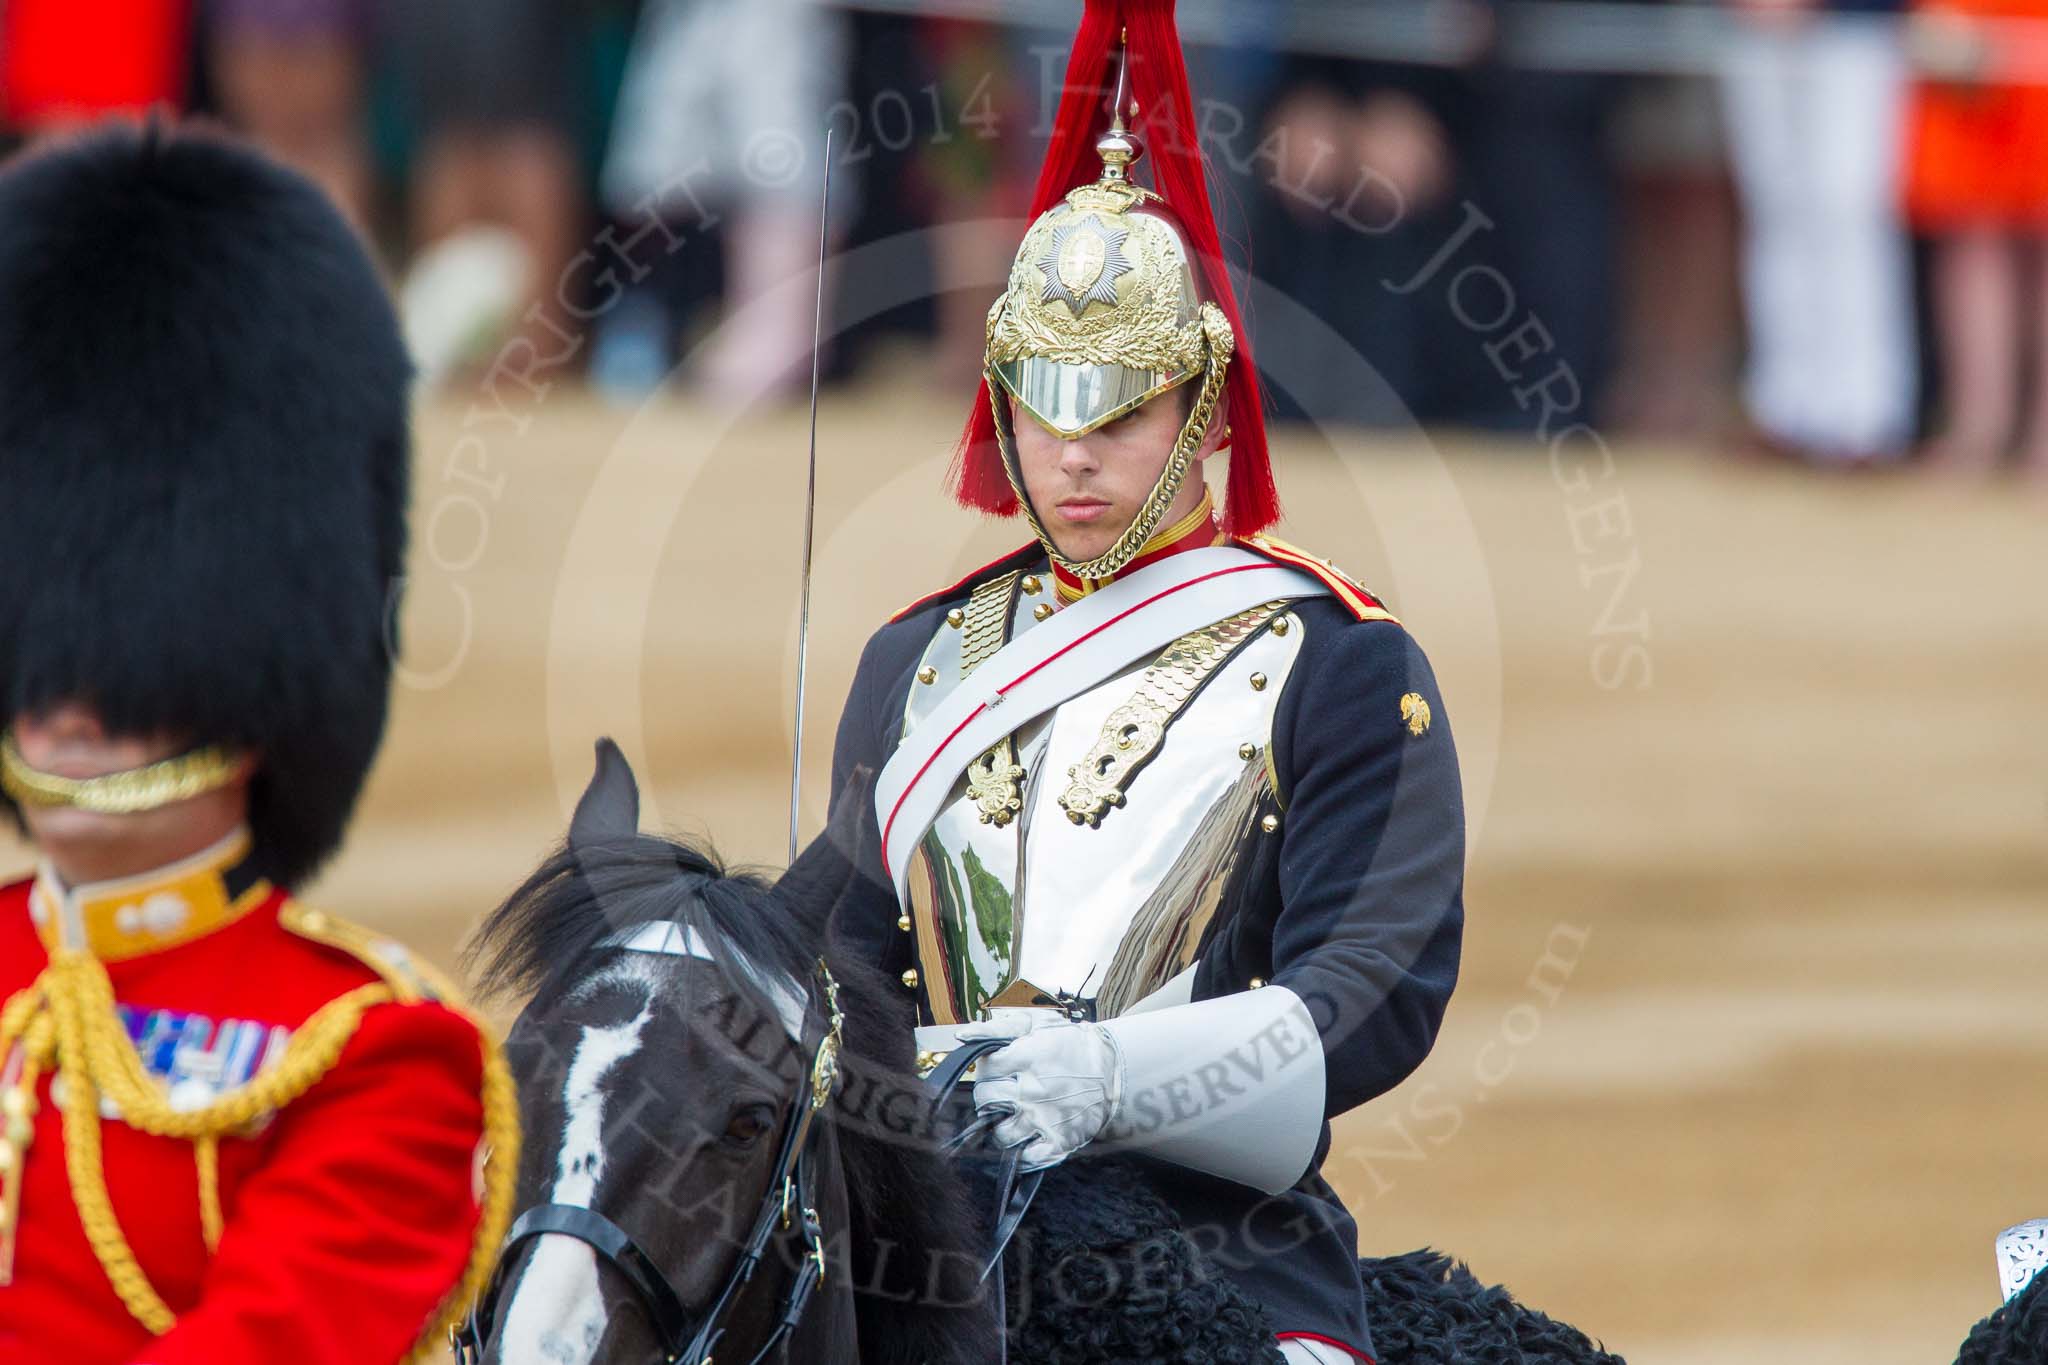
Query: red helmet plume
[1166,124]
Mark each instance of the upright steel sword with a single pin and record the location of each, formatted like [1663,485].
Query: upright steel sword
[803,626]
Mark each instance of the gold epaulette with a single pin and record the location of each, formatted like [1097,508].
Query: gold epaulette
[1347,590]
[411,978]
[1012,560]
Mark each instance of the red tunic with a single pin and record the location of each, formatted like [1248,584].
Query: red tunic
[347,1220]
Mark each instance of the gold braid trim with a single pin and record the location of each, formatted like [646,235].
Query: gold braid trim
[150,787]
[412,979]
[494,1220]
[206,1154]
[66,1020]
[17,1113]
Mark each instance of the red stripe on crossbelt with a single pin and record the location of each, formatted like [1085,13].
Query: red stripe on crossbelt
[1004,690]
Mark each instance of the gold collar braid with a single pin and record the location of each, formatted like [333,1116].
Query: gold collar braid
[66,1021]
[150,787]
[1222,343]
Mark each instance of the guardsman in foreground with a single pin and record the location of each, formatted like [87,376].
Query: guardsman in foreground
[236,1129]
[1171,805]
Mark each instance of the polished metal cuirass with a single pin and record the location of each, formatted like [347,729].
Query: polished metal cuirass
[1139,800]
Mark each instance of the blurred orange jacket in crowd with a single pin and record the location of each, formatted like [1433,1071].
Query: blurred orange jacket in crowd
[68,61]
[1978,150]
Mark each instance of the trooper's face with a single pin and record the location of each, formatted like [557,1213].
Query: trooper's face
[1089,490]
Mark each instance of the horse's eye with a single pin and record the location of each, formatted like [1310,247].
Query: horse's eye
[749,1125]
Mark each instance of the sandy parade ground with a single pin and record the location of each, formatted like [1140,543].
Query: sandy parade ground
[1748,1059]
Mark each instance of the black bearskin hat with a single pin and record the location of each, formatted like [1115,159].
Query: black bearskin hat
[204,457]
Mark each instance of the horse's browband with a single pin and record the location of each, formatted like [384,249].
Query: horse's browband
[670,939]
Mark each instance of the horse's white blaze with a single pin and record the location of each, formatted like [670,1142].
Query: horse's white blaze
[555,1314]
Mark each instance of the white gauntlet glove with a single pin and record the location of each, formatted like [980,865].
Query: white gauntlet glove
[1232,1086]
[1058,1082]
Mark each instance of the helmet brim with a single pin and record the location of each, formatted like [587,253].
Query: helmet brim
[1070,400]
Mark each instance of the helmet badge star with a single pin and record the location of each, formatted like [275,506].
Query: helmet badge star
[1083,262]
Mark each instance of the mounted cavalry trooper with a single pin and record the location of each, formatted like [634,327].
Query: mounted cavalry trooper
[1170,804]
[232,1128]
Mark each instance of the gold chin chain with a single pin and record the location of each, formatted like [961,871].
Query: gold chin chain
[1222,344]
[150,787]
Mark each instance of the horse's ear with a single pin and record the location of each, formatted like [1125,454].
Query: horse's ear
[609,812]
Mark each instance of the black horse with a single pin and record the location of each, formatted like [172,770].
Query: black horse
[728,1149]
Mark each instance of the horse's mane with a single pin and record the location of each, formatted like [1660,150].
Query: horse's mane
[551,932]
[906,1195]
[552,929]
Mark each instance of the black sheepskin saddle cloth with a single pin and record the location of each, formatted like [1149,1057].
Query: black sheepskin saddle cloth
[2017,1334]
[1102,1272]
[1427,1310]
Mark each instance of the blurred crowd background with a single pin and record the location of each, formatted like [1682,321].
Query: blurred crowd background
[1805,229]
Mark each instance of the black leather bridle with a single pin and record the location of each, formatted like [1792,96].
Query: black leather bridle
[791,1204]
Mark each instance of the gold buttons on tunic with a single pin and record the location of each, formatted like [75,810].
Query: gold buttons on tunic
[1247,752]
[1041,611]
[1258,981]
[1258,682]
[927,675]
[903,923]
[1031,584]
[956,618]
[1280,626]
[1270,824]
[910,978]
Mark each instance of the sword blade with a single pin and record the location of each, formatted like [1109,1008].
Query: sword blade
[803,625]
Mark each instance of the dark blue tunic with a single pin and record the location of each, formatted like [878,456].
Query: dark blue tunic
[1356,906]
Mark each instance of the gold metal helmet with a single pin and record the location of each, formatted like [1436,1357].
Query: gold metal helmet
[1102,314]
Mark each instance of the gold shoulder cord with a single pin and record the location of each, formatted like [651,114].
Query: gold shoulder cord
[66,1022]
[1133,732]
[995,779]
